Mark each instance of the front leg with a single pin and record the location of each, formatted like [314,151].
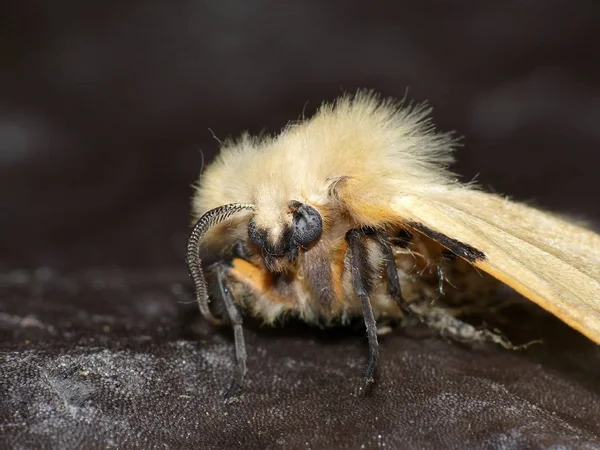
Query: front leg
[256,281]
[391,271]
[235,316]
[362,281]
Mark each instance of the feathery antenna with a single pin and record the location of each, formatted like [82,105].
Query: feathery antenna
[205,223]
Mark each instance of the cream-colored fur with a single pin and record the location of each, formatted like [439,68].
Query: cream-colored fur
[363,161]
[382,147]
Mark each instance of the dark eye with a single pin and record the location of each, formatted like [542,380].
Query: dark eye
[307,225]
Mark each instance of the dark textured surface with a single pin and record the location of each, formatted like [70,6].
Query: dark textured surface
[104,115]
[100,359]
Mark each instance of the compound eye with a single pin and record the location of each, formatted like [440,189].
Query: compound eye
[307,224]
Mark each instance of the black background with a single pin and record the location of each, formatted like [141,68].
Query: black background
[107,112]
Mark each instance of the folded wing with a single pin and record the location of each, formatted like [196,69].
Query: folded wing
[546,258]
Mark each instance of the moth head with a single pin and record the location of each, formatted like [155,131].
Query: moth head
[281,240]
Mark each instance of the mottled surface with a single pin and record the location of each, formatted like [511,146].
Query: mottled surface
[117,359]
[105,112]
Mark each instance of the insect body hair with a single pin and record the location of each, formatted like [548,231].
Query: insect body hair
[375,148]
[320,194]
[354,212]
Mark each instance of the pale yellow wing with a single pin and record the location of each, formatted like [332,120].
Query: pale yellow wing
[542,256]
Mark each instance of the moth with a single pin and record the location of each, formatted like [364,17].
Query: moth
[354,213]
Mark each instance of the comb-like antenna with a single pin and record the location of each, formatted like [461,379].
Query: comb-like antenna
[205,223]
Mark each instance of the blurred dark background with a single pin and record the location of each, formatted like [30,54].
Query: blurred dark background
[107,113]
[107,107]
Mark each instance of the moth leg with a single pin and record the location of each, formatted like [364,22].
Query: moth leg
[255,280]
[235,316]
[391,271]
[442,320]
[362,281]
